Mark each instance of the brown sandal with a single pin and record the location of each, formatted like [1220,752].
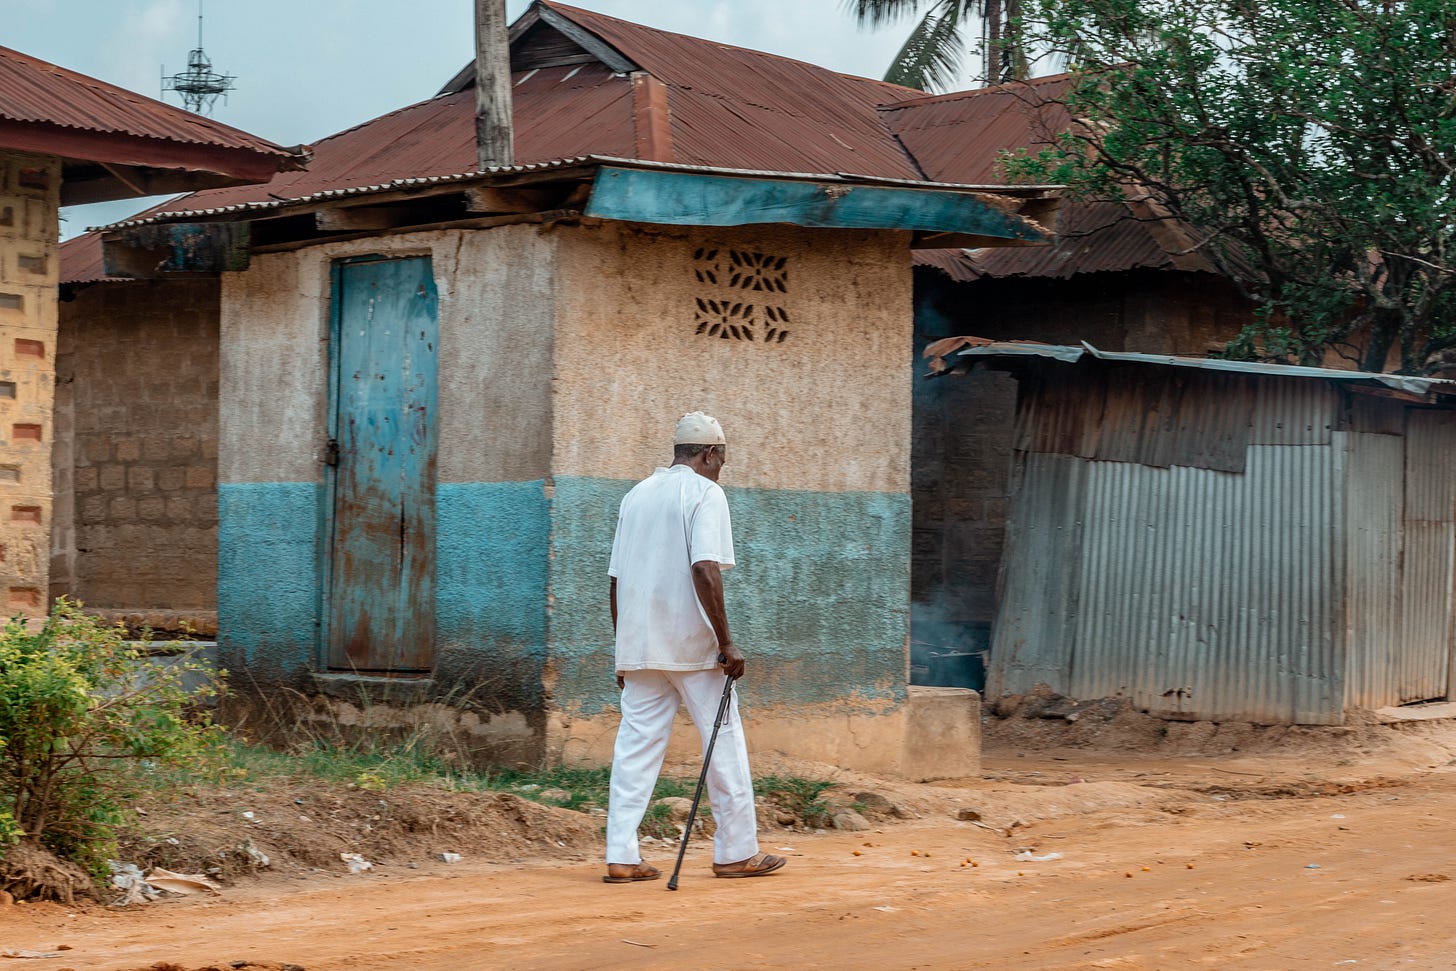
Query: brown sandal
[755,866]
[642,871]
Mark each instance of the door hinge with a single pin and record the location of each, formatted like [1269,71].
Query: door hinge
[331,452]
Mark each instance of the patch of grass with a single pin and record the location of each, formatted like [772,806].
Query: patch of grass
[802,797]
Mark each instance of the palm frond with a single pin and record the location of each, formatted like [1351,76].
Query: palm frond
[878,13]
[933,53]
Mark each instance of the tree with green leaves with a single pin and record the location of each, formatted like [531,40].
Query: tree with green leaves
[1308,147]
[932,55]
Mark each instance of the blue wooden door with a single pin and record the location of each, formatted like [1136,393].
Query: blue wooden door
[379,604]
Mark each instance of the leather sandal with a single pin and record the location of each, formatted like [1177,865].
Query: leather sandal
[641,871]
[755,866]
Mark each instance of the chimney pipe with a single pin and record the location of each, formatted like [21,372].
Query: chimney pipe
[494,142]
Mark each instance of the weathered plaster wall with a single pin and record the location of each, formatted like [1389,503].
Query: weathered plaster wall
[495,291]
[818,458]
[29,231]
[136,420]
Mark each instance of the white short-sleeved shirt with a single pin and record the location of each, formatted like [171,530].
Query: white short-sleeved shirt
[669,521]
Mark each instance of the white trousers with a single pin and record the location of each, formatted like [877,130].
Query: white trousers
[649,703]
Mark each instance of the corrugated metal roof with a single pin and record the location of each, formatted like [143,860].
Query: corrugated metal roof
[729,108]
[742,108]
[171,211]
[1092,237]
[37,92]
[81,260]
[959,137]
[561,113]
[978,347]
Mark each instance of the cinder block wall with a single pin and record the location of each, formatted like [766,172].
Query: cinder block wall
[29,232]
[136,532]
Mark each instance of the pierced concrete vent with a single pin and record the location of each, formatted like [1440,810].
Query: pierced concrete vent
[728,272]
[30,178]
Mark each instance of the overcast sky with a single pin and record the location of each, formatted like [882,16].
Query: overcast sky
[309,68]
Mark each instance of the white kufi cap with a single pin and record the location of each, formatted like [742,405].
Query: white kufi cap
[696,428]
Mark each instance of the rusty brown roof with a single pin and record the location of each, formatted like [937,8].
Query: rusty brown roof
[1092,237]
[81,260]
[728,107]
[738,108]
[959,137]
[36,93]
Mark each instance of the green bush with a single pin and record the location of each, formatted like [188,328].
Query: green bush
[86,719]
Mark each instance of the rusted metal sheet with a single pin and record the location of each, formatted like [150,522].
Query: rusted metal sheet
[1374,516]
[1293,412]
[960,136]
[1092,237]
[724,106]
[1033,638]
[560,113]
[81,260]
[1208,595]
[1321,576]
[1160,418]
[37,92]
[976,347]
[742,108]
[1430,545]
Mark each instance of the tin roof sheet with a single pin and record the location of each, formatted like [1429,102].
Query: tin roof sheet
[729,108]
[81,260]
[33,91]
[978,347]
[1092,237]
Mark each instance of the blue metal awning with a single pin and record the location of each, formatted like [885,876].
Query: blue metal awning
[678,198]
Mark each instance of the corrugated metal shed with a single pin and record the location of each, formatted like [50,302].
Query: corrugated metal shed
[36,92]
[1316,577]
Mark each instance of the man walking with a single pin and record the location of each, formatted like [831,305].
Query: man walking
[673,540]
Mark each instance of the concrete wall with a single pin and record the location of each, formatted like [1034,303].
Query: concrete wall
[566,357]
[495,293]
[135,535]
[817,476]
[29,231]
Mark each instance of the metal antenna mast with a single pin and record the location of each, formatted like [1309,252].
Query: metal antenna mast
[199,86]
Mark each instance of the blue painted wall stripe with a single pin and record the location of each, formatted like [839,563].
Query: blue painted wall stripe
[491,580]
[819,600]
[268,583]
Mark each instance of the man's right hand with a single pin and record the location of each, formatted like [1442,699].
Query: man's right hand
[730,659]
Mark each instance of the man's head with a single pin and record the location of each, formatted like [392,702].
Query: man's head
[698,442]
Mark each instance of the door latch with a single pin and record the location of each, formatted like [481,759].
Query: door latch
[331,452]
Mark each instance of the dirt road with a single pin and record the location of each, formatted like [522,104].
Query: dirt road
[1279,862]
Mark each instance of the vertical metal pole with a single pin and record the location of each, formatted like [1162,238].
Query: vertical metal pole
[494,141]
